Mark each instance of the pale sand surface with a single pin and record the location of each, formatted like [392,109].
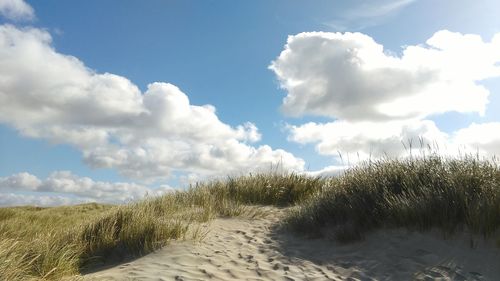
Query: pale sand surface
[254,249]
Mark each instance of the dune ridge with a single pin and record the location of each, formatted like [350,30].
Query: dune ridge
[259,249]
[410,196]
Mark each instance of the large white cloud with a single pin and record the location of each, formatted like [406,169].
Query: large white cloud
[378,100]
[349,76]
[63,187]
[45,94]
[16,10]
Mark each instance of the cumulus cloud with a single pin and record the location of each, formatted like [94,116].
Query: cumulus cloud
[48,95]
[481,138]
[378,100]
[63,187]
[363,140]
[16,10]
[22,181]
[349,76]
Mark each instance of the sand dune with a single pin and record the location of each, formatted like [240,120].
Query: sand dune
[255,249]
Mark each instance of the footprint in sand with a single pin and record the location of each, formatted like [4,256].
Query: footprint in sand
[249,258]
[279,256]
[209,275]
[231,274]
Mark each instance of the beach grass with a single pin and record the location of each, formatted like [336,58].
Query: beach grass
[421,193]
[418,193]
[51,243]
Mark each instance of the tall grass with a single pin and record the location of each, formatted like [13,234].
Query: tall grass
[37,243]
[49,243]
[418,193]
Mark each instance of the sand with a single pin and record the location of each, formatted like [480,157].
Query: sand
[255,249]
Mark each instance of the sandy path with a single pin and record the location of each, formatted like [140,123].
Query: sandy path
[252,249]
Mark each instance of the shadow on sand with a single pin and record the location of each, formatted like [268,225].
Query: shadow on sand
[393,254]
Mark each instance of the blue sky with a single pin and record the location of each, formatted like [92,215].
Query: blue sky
[70,133]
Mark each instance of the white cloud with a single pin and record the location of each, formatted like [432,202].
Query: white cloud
[16,10]
[369,13]
[481,138]
[23,181]
[67,185]
[18,199]
[350,143]
[328,171]
[349,76]
[48,95]
[359,141]
[378,101]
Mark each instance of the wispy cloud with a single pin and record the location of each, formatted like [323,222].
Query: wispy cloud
[367,14]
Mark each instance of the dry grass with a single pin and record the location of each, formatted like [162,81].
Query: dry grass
[417,193]
[420,193]
[34,241]
[50,243]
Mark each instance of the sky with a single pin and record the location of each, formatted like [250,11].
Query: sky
[111,101]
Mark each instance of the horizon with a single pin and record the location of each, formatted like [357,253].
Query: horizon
[107,102]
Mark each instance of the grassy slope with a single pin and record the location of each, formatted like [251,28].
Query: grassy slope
[417,193]
[32,242]
[54,242]
[422,193]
